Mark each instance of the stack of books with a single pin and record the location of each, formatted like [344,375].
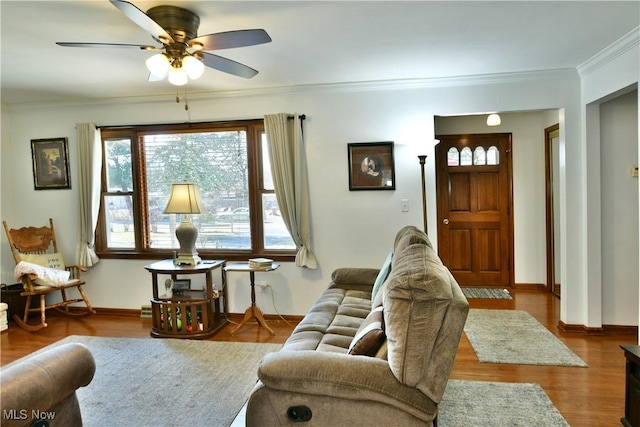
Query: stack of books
[260,262]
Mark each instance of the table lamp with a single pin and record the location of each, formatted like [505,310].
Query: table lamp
[185,199]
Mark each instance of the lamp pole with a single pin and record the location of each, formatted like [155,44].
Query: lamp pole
[424,192]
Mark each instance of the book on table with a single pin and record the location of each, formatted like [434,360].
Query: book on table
[260,262]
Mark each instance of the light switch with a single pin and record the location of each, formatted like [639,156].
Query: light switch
[404,205]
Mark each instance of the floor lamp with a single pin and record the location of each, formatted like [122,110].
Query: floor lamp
[424,192]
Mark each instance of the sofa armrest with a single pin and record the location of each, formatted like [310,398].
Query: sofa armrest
[354,276]
[47,382]
[341,376]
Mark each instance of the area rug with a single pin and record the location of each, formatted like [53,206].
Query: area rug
[483,403]
[486,403]
[492,293]
[167,382]
[515,337]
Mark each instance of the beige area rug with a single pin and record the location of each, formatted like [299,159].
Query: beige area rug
[495,404]
[515,337]
[486,403]
[167,382]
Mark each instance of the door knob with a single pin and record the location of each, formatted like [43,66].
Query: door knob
[445,221]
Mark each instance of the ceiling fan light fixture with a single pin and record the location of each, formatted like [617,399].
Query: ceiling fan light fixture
[193,67]
[158,65]
[177,76]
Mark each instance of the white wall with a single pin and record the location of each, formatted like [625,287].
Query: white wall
[618,154]
[609,74]
[348,228]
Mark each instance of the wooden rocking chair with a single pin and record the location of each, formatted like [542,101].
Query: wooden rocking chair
[37,245]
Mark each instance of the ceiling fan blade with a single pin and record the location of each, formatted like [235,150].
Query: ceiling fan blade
[116,45]
[231,39]
[143,21]
[227,65]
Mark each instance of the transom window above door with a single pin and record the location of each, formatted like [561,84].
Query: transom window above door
[476,157]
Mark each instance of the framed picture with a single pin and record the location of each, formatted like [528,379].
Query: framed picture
[181,285]
[50,158]
[371,166]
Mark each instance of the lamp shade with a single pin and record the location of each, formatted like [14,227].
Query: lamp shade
[193,67]
[158,65]
[493,120]
[177,76]
[184,199]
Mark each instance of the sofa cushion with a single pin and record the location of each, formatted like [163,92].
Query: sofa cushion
[370,335]
[408,236]
[382,276]
[331,322]
[416,298]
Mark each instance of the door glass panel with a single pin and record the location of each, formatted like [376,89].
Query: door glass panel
[466,157]
[453,157]
[493,157]
[479,156]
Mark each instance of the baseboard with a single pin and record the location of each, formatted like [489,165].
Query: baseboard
[287,317]
[124,312]
[530,287]
[604,330]
[132,312]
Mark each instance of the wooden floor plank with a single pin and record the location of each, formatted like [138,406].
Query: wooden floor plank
[592,396]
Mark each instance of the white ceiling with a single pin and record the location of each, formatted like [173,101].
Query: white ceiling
[314,42]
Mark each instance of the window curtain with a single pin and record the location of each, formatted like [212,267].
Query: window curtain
[289,170]
[89,171]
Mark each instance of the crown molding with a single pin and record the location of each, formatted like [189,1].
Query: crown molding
[629,41]
[351,87]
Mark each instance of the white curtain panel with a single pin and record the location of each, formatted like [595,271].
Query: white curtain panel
[289,170]
[89,170]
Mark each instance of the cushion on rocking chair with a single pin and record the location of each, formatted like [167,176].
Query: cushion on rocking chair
[42,275]
[53,260]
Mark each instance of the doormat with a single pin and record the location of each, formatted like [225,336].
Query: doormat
[491,293]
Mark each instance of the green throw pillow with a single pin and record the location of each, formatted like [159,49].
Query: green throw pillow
[382,276]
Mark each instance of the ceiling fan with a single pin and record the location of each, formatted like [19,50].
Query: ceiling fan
[182,54]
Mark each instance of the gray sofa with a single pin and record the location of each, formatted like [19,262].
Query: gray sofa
[376,348]
[44,387]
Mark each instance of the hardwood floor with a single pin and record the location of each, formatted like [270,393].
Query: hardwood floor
[592,396]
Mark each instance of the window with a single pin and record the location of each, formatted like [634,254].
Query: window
[477,157]
[229,162]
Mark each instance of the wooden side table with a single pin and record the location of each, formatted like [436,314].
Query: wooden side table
[253,312]
[194,314]
[632,394]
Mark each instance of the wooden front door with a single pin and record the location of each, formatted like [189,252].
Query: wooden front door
[475,205]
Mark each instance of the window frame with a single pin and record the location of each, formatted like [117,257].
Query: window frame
[254,130]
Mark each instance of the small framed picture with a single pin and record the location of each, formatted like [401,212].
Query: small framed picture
[181,284]
[371,166]
[50,158]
